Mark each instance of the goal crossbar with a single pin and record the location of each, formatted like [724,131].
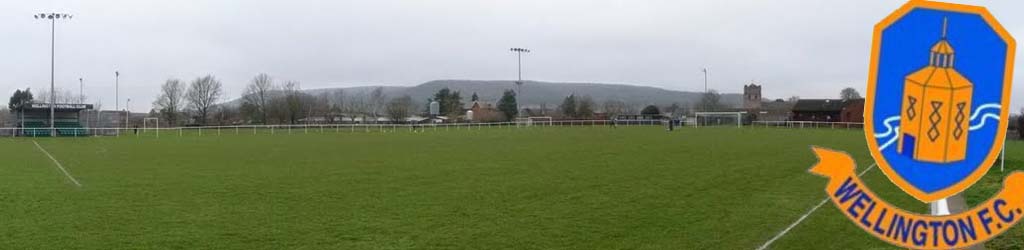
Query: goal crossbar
[706,115]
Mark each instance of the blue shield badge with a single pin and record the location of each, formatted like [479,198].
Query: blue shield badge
[937,103]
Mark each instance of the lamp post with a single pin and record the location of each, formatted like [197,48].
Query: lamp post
[53,34]
[519,84]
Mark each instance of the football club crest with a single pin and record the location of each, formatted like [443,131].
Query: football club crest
[935,119]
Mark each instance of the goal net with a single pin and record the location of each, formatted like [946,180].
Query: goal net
[151,123]
[540,120]
[719,118]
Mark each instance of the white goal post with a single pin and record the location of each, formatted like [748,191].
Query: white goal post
[151,121]
[542,120]
[532,120]
[719,118]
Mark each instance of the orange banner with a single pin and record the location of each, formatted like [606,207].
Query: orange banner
[916,231]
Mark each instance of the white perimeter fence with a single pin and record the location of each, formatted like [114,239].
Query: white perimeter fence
[383,127]
[316,128]
[802,124]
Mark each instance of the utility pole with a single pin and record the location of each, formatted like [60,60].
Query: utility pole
[53,34]
[519,84]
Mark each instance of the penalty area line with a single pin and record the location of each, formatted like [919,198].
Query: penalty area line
[59,166]
[803,217]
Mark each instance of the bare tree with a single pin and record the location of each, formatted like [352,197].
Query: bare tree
[710,101]
[585,107]
[377,99]
[4,116]
[614,108]
[225,114]
[258,94]
[203,94]
[321,106]
[849,94]
[62,96]
[339,106]
[169,102]
[291,105]
[400,108]
[358,106]
[1020,125]
[98,109]
[632,108]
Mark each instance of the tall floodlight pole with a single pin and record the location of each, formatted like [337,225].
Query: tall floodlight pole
[53,34]
[81,94]
[126,112]
[703,103]
[117,97]
[519,83]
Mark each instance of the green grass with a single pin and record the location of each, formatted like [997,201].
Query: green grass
[495,188]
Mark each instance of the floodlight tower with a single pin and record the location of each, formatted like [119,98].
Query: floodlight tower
[53,17]
[127,113]
[704,104]
[519,84]
[81,94]
[117,87]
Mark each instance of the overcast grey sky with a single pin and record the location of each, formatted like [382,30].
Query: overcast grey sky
[793,47]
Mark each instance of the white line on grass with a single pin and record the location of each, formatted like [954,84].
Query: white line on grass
[61,167]
[804,216]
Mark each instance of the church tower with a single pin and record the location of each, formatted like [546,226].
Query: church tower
[751,96]
[936,111]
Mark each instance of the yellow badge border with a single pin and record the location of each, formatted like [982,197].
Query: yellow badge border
[869,126]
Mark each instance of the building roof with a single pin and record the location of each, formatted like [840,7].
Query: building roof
[823,105]
[61,107]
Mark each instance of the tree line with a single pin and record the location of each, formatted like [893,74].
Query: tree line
[267,101]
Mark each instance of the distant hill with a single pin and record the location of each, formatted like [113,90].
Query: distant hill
[535,93]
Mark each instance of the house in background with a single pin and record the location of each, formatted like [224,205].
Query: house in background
[828,110]
[483,112]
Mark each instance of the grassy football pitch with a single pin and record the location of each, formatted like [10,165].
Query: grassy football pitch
[495,188]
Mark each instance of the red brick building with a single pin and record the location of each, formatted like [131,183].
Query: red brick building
[828,110]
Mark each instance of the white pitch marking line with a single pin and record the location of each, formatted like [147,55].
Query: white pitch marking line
[61,167]
[804,216]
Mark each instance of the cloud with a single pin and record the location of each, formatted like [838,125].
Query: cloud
[801,48]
